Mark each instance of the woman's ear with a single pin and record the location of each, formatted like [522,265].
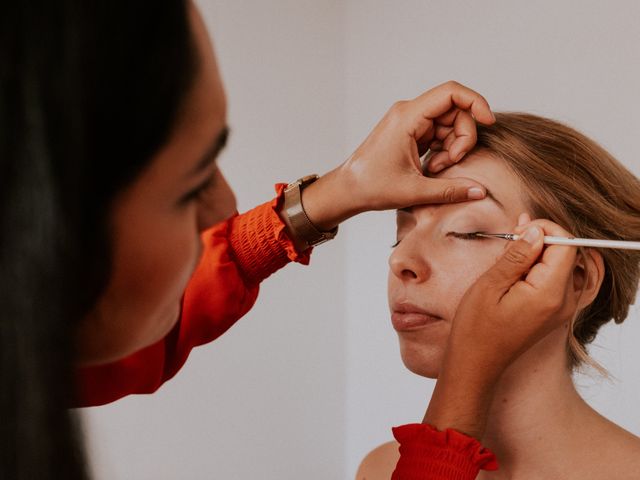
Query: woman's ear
[588,275]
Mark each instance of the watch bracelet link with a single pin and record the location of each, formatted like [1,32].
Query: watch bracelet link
[302,227]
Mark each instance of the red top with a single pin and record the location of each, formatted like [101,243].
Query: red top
[238,255]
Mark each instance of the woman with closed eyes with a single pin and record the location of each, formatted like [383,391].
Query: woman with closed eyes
[533,168]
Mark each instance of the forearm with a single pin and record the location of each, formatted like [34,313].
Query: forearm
[460,404]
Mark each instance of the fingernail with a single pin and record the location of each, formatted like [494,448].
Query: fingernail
[475,193]
[437,168]
[531,235]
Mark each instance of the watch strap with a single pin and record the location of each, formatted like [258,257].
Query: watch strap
[302,227]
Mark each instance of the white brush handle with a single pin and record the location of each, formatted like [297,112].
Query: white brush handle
[589,242]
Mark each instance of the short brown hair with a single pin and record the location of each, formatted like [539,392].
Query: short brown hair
[574,182]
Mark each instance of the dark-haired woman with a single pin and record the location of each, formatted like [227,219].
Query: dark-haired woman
[111,117]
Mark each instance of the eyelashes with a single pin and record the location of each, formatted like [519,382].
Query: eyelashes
[460,235]
[465,236]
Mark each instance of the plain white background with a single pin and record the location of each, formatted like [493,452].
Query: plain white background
[311,379]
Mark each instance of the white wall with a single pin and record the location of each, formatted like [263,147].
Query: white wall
[311,379]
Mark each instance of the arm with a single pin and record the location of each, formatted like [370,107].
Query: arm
[238,254]
[383,173]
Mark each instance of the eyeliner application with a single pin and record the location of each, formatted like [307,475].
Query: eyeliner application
[465,236]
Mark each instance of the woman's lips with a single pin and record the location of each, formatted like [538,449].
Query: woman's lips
[412,320]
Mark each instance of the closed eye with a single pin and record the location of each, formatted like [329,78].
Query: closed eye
[466,236]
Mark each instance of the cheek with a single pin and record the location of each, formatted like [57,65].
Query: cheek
[456,272]
[153,265]
[154,256]
[165,265]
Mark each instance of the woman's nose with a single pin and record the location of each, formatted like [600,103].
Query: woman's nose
[408,264]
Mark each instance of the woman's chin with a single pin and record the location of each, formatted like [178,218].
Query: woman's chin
[423,361]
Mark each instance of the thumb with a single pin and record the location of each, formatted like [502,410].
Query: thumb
[515,261]
[427,190]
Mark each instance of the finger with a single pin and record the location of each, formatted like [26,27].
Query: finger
[425,190]
[442,159]
[465,136]
[441,99]
[552,277]
[516,260]
[438,162]
[448,141]
[523,219]
[447,118]
[435,146]
[459,141]
[557,261]
[551,228]
[443,132]
[427,142]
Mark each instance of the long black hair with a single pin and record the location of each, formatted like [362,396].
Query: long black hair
[89,91]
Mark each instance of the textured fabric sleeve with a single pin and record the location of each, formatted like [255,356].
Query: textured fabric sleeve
[427,453]
[260,243]
[238,254]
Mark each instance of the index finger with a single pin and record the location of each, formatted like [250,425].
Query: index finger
[442,98]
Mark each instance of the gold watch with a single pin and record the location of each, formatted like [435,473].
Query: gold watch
[300,223]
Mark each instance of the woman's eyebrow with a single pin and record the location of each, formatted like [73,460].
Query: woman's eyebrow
[489,195]
[212,152]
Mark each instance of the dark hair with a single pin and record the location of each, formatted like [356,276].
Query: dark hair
[89,91]
[571,180]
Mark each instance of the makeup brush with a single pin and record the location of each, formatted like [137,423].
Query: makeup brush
[574,242]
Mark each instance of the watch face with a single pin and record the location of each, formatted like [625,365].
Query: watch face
[309,179]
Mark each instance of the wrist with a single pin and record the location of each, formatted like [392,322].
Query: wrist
[302,231]
[460,405]
[327,201]
[463,394]
[298,243]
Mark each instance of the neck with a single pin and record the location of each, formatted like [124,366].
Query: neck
[536,412]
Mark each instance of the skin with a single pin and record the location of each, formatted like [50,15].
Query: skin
[537,424]
[156,233]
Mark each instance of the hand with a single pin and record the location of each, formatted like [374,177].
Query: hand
[385,172]
[516,311]
[524,296]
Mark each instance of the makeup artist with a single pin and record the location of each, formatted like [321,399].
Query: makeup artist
[121,249]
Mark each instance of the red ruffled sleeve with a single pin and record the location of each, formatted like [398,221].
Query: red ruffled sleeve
[261,245]
[427,453]
[238,254]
